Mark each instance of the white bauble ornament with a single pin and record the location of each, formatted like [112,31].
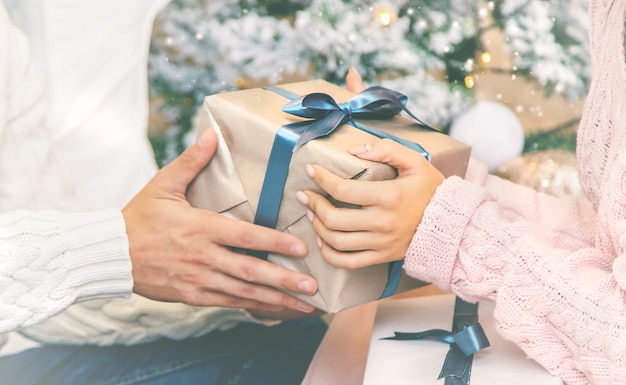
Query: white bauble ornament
[494,132]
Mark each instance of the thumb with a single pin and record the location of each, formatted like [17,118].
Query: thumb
[181,171]
[403,159]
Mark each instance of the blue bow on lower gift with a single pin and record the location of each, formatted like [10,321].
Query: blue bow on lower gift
[466,338]
[324,116]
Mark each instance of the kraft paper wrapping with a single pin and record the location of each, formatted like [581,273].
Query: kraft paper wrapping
[246,122]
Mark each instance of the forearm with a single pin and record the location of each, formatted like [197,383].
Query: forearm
[557,295]
[51,260]
[477,221]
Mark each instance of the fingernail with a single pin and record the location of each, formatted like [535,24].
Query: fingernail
[319,242]
[305,307]
[354,72]
[310,216]
[310,171]
[302,197]
[360,149]
[306,286]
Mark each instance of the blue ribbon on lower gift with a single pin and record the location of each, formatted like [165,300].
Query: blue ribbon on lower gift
[466,338]
[325,115]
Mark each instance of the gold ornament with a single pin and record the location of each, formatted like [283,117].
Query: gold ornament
[385,16]
[485,57]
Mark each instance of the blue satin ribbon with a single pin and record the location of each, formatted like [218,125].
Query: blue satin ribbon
[325,115]
[466,338]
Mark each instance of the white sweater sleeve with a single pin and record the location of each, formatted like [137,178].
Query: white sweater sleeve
[49,260]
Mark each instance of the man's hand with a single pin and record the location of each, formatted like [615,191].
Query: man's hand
[183,254]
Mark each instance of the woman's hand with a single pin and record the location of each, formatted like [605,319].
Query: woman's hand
[390,211]
[184,254]
[354,83]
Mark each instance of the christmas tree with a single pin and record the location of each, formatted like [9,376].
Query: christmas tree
[433,51]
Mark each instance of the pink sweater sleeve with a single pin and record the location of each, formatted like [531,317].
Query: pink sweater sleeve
[556,295]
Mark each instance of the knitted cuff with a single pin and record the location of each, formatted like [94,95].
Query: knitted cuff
[432,254]
[97,254]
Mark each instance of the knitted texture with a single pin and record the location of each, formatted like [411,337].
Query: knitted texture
[28,165]
[48,260]
[555,267]
[108,110]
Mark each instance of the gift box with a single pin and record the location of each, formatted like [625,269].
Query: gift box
[247,123]
[408,362]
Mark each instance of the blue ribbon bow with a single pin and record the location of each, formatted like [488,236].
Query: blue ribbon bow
[466,338]
[325,115]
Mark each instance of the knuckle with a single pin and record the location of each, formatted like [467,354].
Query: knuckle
[248,291]
[387,225]
[287,301]
[392,198]
[326,235]
[317,203]
[351,264]
[336,242]
[247,273]
[287,283]
[186,156]
[190,297]
[231,302]
[330,218]
[195,258]
[246,239]
[319,225]
[312,201]
[341,189]
[339,260]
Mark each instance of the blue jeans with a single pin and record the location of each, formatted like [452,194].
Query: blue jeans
[248,354]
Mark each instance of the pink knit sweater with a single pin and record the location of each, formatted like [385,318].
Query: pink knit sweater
[555,267]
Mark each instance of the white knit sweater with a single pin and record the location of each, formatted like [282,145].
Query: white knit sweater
[48,260]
